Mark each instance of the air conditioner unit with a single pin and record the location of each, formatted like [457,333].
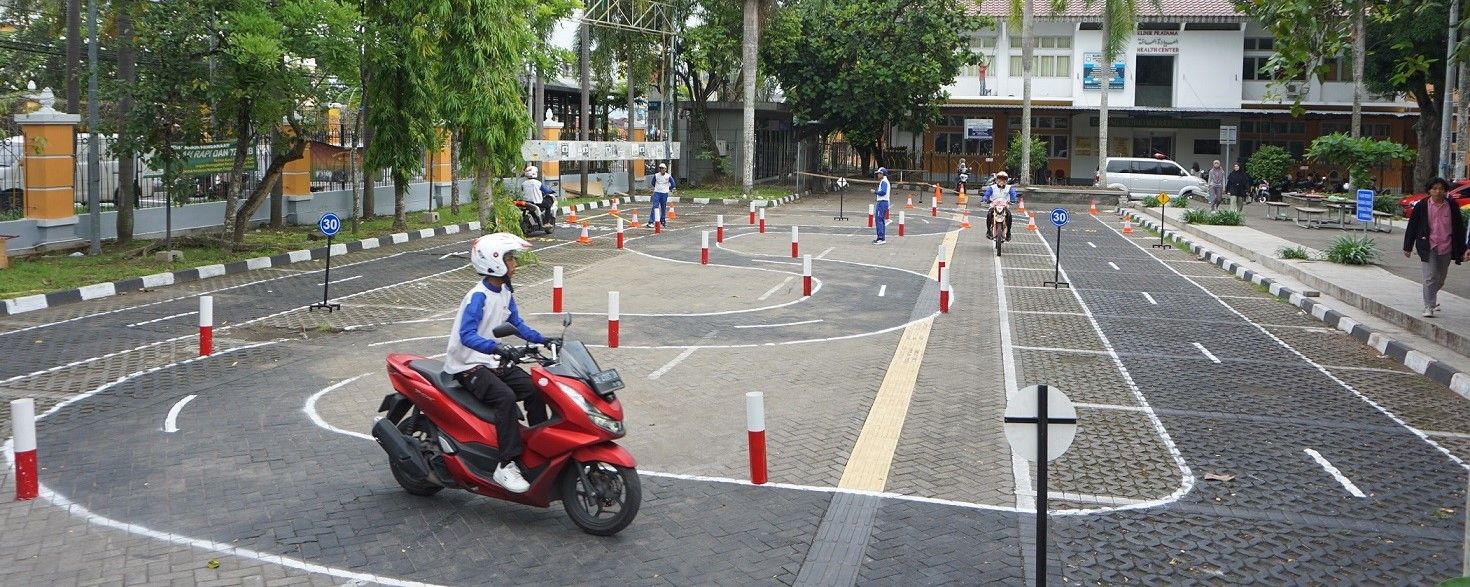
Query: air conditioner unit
[1296,90]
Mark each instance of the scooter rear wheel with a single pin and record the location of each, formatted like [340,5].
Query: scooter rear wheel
[608,505]
[413,486]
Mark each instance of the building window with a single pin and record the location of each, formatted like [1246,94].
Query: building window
[1251,70]
[1206,147]
[1059,42]
[1041,121]
[1046,66]
[1260,44]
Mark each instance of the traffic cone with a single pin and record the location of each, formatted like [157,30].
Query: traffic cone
[584,239]
[962,199]
[1093,209]
[910,204]
[672,214]
[1127,225]
[938,195]
[1031,222]
[965,220]
[1022,209]
[572,214]
[615,211]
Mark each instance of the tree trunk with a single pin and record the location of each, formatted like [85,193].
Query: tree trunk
[369,208]
[585,118]
[454,172]
[233,223]
[1028,48]
[267,181]
[73,55]
[400,190]
[1360,54]
[1464,120]
[352,167]
[747,79]
[127,60]
[483,195]
[1426,131]
[1106,78]
[278,197]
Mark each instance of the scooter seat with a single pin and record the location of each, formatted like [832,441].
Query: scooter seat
[434,372]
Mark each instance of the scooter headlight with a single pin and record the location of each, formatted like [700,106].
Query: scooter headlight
[602,420]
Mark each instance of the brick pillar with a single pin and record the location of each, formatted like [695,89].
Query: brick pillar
[438,162]
[640,132]
[551,131]
[296,177]
[50,163]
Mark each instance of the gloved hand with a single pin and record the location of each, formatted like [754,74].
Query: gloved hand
[553,341]
[509,354]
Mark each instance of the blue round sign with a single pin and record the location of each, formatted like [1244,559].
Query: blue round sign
[1059,217]
[329,224]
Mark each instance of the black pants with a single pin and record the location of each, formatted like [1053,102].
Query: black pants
[501,391]
[547,219]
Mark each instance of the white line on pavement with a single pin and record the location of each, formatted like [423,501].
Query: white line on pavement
[1020,471]
[1207,352]
[882,289]
[670,365]
[1114,266]
[1059,350]
[775,288]
[386,342]
[1110,407]
[1149,298]
[171,422]
[310,409]
[779,325]
[1089,243]
[345,279]
[824,253]
[163,318]
[1336,474]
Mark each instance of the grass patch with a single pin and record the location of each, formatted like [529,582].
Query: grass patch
[1299,253]
[1226,218]
[1197,216]
[38,274]
[1352,250]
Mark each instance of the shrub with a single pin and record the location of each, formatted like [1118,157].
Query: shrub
[1226,218]
[1387,204]
[1292,253]
[1352,250]
[1197,216]
[1269,162]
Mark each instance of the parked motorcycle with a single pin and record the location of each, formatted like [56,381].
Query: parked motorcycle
[437,435]
[535,220]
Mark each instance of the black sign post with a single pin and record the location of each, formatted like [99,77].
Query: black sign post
[1163,204]
[841,198]
[1028,419]
[1059,218]
[329,225]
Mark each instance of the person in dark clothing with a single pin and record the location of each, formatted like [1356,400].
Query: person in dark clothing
[1238,183]
[1437,232]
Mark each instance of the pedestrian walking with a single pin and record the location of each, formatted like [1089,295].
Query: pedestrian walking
[880,209]
[662,183]
[1217,185]
[1237,184]
[1437,232]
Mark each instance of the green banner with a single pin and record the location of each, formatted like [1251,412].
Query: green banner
[212,158]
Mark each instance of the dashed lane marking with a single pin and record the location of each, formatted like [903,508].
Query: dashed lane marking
[163,318]
[779,325]
[775,288]
[1336,474]
[882,289]
[1207,352]
[171,422]
[1149,298]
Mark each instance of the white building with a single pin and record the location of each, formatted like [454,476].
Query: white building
[1185,73]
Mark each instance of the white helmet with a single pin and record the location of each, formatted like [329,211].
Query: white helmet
[531,171]
[488,253]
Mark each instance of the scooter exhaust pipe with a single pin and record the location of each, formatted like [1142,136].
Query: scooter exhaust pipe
[401,450]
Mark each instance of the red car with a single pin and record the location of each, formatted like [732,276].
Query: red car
[1460,191]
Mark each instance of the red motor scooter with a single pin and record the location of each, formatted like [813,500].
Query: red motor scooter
[438,435]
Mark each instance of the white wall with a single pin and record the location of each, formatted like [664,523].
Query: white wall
[1207,69]
[1091,41]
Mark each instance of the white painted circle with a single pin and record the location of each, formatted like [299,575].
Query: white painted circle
[1023,404]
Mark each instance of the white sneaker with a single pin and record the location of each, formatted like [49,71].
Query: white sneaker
[1429,312]
[509,477]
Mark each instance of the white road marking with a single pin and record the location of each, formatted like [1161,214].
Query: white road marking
[310,409]
[387,342]
[1149,298]
[1047,313]
[163,318]
[345,279]
[1089,243]
[1110,407]
[824,253]
[170,423]
[670,365]
[771,261]
[1059,350]
[1090,498]
[1336,474]
[882,289]
[775,288]
[779,325]
[1020,471]
[1446,434]
[1207,352]
[1114,266]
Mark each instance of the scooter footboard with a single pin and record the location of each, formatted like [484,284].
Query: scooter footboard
[607,452]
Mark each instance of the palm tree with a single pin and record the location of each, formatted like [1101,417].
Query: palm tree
[748,45]
[1028,48]
[1119,17]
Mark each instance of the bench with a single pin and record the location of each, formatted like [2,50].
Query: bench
[1382,221]
[1314,216]
[1277,211]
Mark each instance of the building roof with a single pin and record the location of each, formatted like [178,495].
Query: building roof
[1080,10]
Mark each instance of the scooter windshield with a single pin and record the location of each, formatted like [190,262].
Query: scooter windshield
[575,361]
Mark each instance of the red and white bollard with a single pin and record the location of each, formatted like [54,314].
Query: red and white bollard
[762,221]
[794,242]
[944,294]
[900,223]
[870,215]
[23,427]
[755,426]
[206,325]
[806,275]
[933,209]
[941,262]
[704,247]
[612,319]
[556,289]
[720,229]
[620,233]
[752,212]
[658,221]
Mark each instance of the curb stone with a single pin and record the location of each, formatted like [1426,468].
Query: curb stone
[12,306]
[1420,362]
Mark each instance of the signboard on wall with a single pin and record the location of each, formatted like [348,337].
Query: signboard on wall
[212,158]
[1158,42]
[597,150]
[1091,68]
[979,129]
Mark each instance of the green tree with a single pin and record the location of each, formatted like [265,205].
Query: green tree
[1360,155]
[403,63]
[841,62]
[1015,155]
[1119,19]
[1269,163]
[710,65]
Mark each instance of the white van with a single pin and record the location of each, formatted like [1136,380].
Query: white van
[1144,177]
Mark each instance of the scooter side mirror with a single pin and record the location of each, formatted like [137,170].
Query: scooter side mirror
[566,319]
[503,330]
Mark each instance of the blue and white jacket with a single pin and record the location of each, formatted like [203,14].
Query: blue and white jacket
[882,191]
[661,183]
[483,308]
[1010,192]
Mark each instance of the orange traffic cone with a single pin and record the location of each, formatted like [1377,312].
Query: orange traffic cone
[672,215]
[1127,225]
[633,215]
[962,199]
[572,215]
[1023,204]
[584,239]
[938,195]
[1031,222]
[910,205]
[615,211]
[1093,209]
[965,219]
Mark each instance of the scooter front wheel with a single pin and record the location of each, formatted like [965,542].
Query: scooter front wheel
[600,498]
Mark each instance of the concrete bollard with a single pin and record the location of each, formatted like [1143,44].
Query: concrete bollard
[612,319]
[806,275]
[720,229]
[755,426]
[620,233]
[658,221]
[752,211]
[23,427]
[206,325]
[870,215]
[556,289]
[944,294]
[900,222]
[762,221]
[704,247]
[794,240]
[941,262]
